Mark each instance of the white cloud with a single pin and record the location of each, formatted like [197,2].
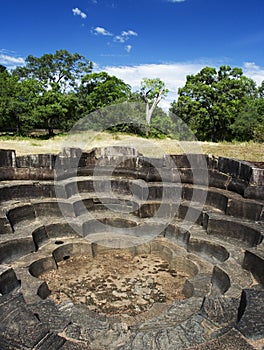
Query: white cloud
[129,33]
[78,12]
[173,75]
[11,60]
[102,31]
[174,1]
[128,48]
[119,39]
[124,36]
[253,71]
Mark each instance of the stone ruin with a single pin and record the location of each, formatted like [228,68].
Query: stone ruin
[144,253]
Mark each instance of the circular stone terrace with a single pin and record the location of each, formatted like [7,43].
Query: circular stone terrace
[113,250]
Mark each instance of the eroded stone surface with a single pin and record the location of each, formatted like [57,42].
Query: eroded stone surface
[225,238]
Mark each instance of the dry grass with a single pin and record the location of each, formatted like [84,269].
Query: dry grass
[151,147]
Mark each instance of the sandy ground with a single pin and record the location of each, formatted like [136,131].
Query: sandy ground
[149,147]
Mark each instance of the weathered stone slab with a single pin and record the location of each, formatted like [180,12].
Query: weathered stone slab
[8,280]
[72,249]
[220,281]
[27,190]
[217,179]
[36,161]
[237,185]
[254,262]
[208,250]
[40,236]
[257,177]
[198,286]
[15,248]
[251,314]
[231,228]
[5,227]
[244,209]
[7,158]
[26,174]
[255,192]
[20,213]
[42,265]
[18,324]
[47,312]
[245,172]
[226,342]
[220,310]
[187,161]
[229,166]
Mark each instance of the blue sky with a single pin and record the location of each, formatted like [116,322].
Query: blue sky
[139,38]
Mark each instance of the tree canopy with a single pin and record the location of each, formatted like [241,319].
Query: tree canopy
[56,90]
[17,102]
[211,101]
[62,67]
[98,90]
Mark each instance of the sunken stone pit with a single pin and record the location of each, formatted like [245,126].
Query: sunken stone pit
[112,250]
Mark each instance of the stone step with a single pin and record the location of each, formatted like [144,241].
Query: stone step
[233,229]
[30,235]
[8,280]
[184,210]
[25,189]
[198,286]
[230,278]
[214,248]
[33,289]
[254,262]
[13,249]
[227,201]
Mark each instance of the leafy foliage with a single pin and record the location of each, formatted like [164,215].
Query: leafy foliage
[63,68]
[249,122]
[17,102]
[57,90]
[210,101]
[98,90]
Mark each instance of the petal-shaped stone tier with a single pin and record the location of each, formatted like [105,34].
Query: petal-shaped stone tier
[202,214]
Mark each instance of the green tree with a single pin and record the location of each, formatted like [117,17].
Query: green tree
[59,75]
[2,69]
[211,100]
[17,102]
[249,122]
[98,90]
[261,90]
[62,68]
[152,91]
[55,110]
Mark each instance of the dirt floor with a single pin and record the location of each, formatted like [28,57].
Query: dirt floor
[115,283]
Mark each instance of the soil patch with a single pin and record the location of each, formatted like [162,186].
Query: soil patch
[116,283]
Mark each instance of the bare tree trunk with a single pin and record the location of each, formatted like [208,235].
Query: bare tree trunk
[150,111]
[148,118]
